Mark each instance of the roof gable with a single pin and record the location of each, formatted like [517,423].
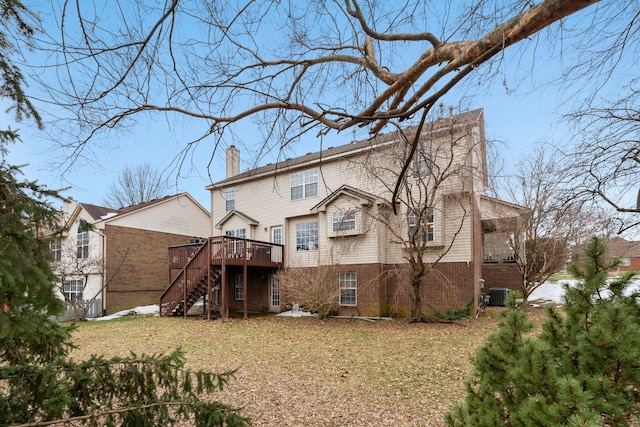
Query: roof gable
[233,213]
[363,198]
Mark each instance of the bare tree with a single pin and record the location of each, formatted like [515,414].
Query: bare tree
[542,241]
[605,163]
[314,289]
[74,274]
[293,67]
[435,198]
[136,185]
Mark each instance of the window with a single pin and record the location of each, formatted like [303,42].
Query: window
[83,243]
[422,225]
[275,292]
[307,236]
[344,221]
[239,232]
[422,160]
[236,247]
[56,249]
[239,287]
[348,288]
[276,235]
[625,262]
[73,290]
[304,184]
[230,197]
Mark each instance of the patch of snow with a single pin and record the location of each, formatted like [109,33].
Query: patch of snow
[147,309]
[554,291]
[299,313]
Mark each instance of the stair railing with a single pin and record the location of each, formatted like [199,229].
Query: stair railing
[186,280]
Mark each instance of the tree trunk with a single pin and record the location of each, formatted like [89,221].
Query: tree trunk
[416,299]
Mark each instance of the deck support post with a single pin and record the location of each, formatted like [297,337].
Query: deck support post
[224,303]
[209,284]
[244,281]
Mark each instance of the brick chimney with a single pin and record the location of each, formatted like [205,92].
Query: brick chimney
[233,161]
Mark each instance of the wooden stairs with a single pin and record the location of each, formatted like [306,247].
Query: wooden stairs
[190,284]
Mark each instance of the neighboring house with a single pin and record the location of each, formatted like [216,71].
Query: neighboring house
[335,208]
[628,252]
[117,258]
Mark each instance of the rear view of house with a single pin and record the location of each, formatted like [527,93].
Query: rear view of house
[342,216]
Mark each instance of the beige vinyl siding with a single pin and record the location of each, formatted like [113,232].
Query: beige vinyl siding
[267,200]
[178,215]
[237,222]
[305,258]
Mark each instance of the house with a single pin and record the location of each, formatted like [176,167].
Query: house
[627,251]
[335,209]
[116,259]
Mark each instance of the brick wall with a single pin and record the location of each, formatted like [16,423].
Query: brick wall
[501,276]
[384,290]
[137,266]
[257,289]
[448,286]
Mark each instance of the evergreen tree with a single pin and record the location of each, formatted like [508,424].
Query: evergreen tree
[581,370]
[39,383]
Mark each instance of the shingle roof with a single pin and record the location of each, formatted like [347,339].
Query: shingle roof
[345,150]
[96,211]
[619,247]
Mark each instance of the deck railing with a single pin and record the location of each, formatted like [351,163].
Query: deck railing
[194,262]
[193,271]
[231,250]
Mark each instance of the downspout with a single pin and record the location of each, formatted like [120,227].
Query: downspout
[103,276]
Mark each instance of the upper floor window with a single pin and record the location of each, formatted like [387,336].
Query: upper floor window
[344,221]
[307,236]
[422,160]
[304,184]
[422,225]
[348,284]
[230,198]
[56,249]
[83,243]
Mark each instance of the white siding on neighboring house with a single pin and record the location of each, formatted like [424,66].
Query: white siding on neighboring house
[177,215]
[69,254]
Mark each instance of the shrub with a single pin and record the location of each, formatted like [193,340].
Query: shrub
[580,370]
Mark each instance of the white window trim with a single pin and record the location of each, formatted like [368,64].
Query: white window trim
[304,179]
[56,249]
[238,287]
[348,280]
[336,221]
[230,199]
[625,261]
[309,244]
[82,242]
[273,237]
[73,289]
[429,227]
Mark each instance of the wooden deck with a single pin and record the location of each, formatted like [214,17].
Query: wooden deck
[200,264]
[230,251]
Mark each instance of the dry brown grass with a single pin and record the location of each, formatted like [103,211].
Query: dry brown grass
[308,372]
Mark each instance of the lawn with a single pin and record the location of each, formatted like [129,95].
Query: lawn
[308,372]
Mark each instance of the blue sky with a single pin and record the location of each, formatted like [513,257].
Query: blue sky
[520,111]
